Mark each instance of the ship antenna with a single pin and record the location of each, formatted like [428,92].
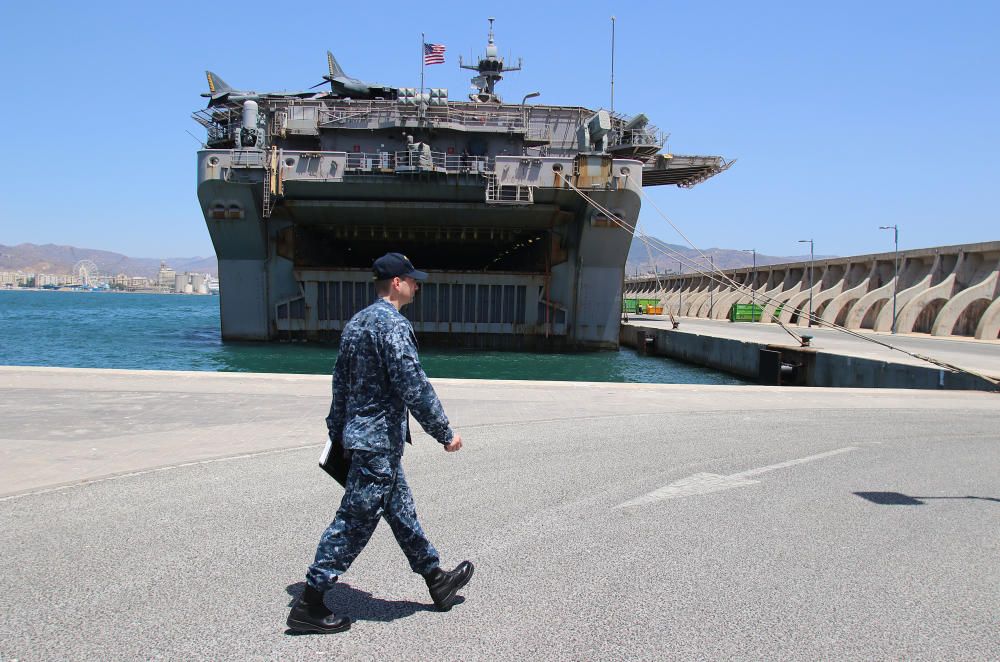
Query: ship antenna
[490,70]
[612,64]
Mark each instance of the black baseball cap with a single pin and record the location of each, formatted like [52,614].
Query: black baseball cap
[391,265]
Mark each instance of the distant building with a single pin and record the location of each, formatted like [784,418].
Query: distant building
[191,283]
[167,278]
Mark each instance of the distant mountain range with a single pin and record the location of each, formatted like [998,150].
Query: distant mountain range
[53,259]
[725,258]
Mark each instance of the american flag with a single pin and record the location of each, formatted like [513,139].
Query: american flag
[433,53]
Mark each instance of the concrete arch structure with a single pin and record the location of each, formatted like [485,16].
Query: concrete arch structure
[939,289]
[983,278]
[989,325]
[856,281]
[945,291]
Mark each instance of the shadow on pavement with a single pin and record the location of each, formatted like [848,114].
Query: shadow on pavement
[900,499]
[363,606]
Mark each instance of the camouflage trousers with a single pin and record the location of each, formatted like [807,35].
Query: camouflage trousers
[376,487]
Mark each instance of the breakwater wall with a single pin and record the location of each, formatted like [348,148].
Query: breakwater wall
[778,365]
[943,291]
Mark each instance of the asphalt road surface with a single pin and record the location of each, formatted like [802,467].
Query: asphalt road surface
[606,522]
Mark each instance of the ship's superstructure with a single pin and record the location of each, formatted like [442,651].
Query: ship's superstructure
[301,192]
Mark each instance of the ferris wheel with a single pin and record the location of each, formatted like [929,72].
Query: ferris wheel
[87,273]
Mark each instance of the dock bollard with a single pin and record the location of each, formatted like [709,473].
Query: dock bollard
[645,343]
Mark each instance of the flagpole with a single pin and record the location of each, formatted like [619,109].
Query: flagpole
[422,63]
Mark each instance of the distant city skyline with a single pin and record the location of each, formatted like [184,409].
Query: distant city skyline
[843,118]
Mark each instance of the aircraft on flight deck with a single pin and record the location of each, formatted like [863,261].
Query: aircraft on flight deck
[341,85]
[219,92]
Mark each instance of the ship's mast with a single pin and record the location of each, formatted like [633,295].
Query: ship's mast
[490,70]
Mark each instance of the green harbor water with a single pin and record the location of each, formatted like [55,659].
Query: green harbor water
[178,332]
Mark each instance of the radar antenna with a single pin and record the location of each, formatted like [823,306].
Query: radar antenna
[490,69]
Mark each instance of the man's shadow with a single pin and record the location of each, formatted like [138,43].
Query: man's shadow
[344,599]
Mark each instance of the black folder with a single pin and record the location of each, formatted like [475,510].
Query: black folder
[335,461]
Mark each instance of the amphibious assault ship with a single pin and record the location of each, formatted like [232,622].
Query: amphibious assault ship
[301,192]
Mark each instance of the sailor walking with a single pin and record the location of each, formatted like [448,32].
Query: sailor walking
[377,380]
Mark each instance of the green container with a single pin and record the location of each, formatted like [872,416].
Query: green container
[638,306]
[745,312]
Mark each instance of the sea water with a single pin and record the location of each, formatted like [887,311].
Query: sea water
[181,332]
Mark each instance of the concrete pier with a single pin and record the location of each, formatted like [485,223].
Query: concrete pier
[943,291]
[172,515]
[833,359]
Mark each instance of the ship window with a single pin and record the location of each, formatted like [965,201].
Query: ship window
[429,292]
[470,303]
[417,307]
[283,311]
[496,291]
[508,304]
[522,292]
[359,297]
[218,211]
[483,304]
[346,300]
[321,309]
[335,301]
[297,309]
[444,303]
[557,167]
[456,303]
[234,211]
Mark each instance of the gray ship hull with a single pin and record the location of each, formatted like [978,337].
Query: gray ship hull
[540,270]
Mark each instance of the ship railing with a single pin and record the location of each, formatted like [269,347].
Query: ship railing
[362,115]
[248,158]
[638,137]
[357,115]
[541,134]
[222,124]
[417,161]
[511,119]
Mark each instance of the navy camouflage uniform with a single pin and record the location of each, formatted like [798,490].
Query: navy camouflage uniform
[376,381]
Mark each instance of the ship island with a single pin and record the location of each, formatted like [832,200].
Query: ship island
[521,213]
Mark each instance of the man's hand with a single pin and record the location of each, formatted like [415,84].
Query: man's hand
[454,445]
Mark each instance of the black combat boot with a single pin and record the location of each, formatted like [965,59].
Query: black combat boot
[309,614]
[444,584]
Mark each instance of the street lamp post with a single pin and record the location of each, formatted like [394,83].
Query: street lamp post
[711,292]
[753,285]
[895,268]
[680,293]
[811,258]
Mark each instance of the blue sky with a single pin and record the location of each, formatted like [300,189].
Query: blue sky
[842,116]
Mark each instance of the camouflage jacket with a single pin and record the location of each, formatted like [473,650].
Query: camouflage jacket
[377,380]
